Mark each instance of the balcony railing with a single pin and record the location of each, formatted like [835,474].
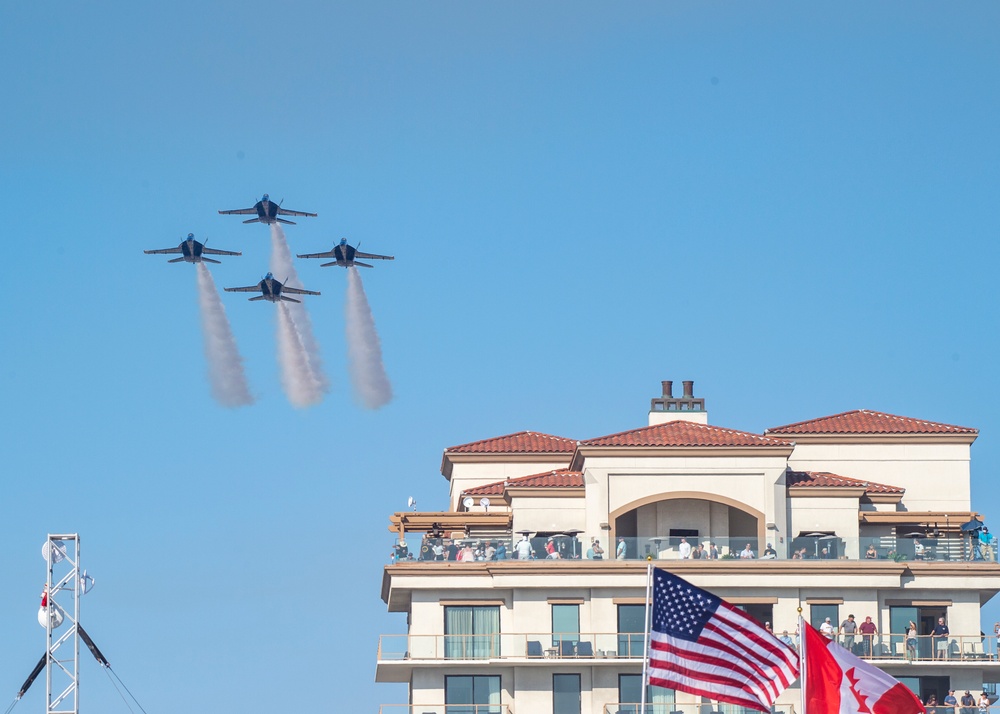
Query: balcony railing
[444,709]
[690,708]
[923,648]
[539,645]
[948,548]
[628,645]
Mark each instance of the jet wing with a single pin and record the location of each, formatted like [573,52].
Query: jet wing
[240,212]
[248,289]
[372,256]
[298,291]
[163,251]
[213,251]
[328,254]
[289,212]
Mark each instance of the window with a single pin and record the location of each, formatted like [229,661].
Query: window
[630,695]
[565,628]
[631,630]
[819,613]
[566,694]
[471,632]
[472,695]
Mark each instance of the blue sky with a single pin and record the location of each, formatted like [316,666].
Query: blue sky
[793,204]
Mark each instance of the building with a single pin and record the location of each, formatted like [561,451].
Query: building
[512,607]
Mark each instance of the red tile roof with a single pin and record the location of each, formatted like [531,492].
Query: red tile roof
[865,421]
[522,442]
[558,478]
[684,433]
[825,479]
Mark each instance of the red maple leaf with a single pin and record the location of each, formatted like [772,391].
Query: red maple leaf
[862,704]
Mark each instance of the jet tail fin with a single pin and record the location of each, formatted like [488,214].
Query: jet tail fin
[282,220]
[327,265]
[288,299]
[175,260]
[253,220]
[209,260]
[363,265]
[259,297]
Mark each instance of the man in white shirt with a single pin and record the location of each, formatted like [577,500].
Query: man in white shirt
[684,549]
[523,548]
[826,629]
[747,553]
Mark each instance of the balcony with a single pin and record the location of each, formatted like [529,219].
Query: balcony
[953,649]
[949,548]
[598,648]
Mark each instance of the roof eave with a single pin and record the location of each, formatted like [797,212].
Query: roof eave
[583,452]
[883,438]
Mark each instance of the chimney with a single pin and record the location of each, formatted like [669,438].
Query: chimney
[670,408]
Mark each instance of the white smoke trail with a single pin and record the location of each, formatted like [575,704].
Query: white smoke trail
[296,377]
[225,366]
[364,350]
[298,333]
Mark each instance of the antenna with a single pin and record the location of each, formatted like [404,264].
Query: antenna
[468,502]
[411,503]
[64,585]
[485,503]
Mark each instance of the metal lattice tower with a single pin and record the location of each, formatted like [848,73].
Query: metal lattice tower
[62,638]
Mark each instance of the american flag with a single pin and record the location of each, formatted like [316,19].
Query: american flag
[704,646]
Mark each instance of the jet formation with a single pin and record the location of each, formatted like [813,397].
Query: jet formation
[271,289]
[345,256]
[191,251]
[267,212]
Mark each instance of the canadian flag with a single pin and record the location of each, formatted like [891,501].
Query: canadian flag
[837,682]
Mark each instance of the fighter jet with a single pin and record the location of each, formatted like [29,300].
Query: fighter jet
[191,251]
[272,290]
[345,256]
[267,212]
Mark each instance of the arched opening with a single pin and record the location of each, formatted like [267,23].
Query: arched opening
[689,525]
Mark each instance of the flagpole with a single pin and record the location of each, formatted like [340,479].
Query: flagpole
[645,636]
[802,663]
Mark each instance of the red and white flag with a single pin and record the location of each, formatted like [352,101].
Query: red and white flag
[702,645]
[837,682]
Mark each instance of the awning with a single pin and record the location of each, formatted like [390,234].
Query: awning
[403,521]
[942,520]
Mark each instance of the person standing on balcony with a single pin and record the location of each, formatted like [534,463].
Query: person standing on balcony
[986,543]
[595,551]
[950,700]
[769,553]
[984,703]
[684,549]
[747,553]
[523,548]
[940,639]
[918,550]
[826,629]
[968,703]
[848,628]
[868,632]
[911,641]
[713,552]
[622,551]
